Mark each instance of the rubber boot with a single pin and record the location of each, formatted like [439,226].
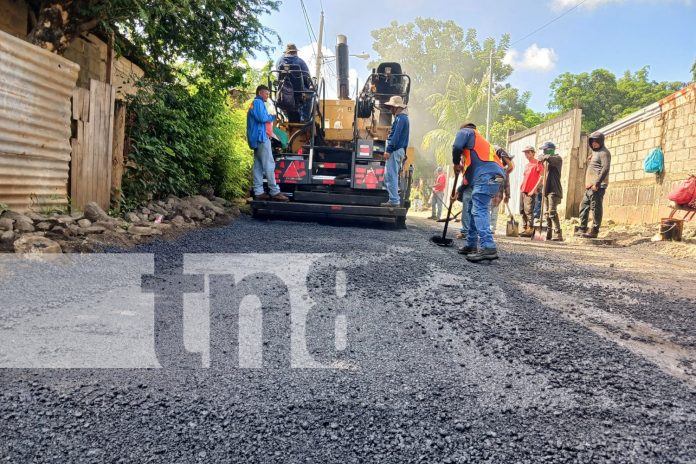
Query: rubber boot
[592,233]
[558,236]
[581,231]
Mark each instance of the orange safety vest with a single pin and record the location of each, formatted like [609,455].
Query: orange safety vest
[484,151]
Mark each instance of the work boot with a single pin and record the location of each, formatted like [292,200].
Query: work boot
[581,231]
[528,232]
[263,197]
[592,233]
[466,250]
[549,234]
[484,254]
[558,236]
[280,197]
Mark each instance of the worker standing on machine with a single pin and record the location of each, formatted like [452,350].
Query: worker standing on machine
[394,154]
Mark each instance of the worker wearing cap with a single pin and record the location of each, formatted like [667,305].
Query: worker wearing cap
[473,155]
[553,190]
[531,184]
[290,58]
[395,152]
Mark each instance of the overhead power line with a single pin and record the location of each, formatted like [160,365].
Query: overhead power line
[549,23]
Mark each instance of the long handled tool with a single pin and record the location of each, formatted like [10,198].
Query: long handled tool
[444,241]
[538,233]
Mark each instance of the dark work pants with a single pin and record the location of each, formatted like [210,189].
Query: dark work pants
[527,204]
[592,201]
[551,213]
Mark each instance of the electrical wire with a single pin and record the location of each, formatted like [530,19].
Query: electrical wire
[549,23]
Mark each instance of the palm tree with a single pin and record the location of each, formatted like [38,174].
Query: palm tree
[461,102]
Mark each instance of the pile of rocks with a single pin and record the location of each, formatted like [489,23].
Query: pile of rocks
[39,233]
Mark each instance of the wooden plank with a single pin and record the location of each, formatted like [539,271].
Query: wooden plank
[118,148]
[108,159]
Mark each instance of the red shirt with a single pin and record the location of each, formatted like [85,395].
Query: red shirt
[532,173]
[441,183]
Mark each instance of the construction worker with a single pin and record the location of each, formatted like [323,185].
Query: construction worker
[483,170]
[301,81]
[503,196]
[437,197]
[259,141]
[531,183]
[553,190]
[596,183]
[395,153]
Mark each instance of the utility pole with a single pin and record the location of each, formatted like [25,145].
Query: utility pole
[320,55]
[490,93]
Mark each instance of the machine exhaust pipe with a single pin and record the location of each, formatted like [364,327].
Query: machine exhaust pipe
[342,67]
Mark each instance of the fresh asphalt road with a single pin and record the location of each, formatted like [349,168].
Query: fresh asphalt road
[556,353]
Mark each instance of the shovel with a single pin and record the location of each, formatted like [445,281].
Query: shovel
[444,241]
[538,232]
[512,228]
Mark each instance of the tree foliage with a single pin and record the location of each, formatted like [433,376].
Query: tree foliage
[604,98]
[212,34]
[184,140]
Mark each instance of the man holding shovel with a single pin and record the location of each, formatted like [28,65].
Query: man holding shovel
[553,190]
[483,170]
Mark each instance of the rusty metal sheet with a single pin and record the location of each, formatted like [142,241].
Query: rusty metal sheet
[35,128]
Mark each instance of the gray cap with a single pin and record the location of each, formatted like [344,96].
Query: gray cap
[528,148]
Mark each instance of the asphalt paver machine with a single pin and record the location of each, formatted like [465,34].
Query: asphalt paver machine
[329,154]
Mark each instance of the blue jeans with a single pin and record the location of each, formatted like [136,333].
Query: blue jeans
[391,176]
[537,206]
[466,210]
[484,190]
[264,164]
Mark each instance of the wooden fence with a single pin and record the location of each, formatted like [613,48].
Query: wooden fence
[92,146]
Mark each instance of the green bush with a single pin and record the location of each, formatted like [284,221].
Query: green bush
[184,140]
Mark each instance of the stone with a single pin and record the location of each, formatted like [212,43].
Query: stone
[84,223]
[65,220]
[43,226]
[146,211]
[210,214]
[207,221]
[94,213]
[15,216]
[143,217]
[203,203]
[24,226]
[6,224]
[94,230]
[35,216]
[132,217]
[192,213]
[60,230]
[179,221]
[162,227]
[36,245]
[7,236]
[147,231]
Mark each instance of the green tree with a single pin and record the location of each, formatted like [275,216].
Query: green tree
[461,102]
[212,34]
[603,98]
[693,71]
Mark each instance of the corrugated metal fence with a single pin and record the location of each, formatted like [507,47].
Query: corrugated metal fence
[35,92]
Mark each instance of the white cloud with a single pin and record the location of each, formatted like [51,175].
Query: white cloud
[560,5]
[533,59]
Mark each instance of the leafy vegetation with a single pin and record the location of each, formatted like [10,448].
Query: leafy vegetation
[214,35]
[184,140]
[604,98]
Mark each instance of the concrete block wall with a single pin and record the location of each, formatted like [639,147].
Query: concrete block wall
[565,132]
[634,196]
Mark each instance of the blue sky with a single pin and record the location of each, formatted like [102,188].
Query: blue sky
[612,34]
